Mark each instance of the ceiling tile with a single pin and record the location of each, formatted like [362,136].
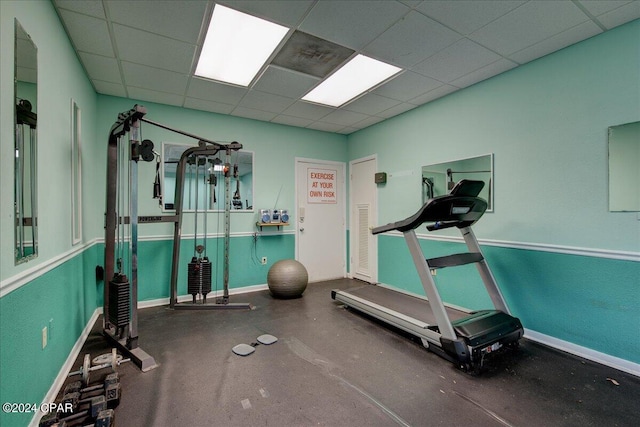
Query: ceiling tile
[326,127]
[285,82]
[434,94]
[250,113]
[307,110]
[599,7]
[352,23]
[214,107]
[621,15]
[528,25]
[455,61]
[265,101]
[285,12]
[371,104]
[179,20]
[564,39]
[155,96]
[89,34]
[398,109]
[153,78]
[411,40]
[349,130]
[484,73]
[217,92]
[91,8]
[109,88]
[407,86]
[344,117]
[467,16]
[101,67]
[291,121]
[371,120]
[153,50]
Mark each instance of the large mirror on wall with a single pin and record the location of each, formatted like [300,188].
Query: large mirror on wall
[26,146]
[204,180]
[439,179]
[624,168]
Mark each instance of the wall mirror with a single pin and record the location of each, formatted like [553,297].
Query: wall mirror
[204,182]
[26,146]
[440,178]
[624,168]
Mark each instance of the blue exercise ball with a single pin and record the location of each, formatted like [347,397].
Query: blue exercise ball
[287,278]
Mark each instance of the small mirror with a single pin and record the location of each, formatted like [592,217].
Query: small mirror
[440,178]
[204,181]
[25,165]
[624,168]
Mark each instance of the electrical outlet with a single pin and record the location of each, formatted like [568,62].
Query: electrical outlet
[264,260]
[45,336]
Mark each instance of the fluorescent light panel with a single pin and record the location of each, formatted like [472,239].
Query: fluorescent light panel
[355,77]
[237,45]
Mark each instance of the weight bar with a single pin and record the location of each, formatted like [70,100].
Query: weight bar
[112,378]
[112,360]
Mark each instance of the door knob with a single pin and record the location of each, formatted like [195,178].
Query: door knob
[301,228]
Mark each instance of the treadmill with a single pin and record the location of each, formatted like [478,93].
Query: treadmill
[463,337]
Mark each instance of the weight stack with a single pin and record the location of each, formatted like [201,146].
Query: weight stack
[199,277]
[119,301]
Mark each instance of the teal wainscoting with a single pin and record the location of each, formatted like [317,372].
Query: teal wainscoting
[590,301]
[245,268]
[63,300]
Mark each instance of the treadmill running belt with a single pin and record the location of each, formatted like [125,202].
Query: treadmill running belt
[415,307]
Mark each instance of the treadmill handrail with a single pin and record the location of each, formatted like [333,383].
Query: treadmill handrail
[453,209]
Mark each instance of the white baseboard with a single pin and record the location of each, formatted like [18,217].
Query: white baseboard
[51,395]
[584,352]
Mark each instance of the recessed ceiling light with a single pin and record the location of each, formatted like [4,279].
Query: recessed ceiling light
[355,77]
[237,45]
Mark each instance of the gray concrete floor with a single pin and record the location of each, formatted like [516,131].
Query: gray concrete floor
[334,367]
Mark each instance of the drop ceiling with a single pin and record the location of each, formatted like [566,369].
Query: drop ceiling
[147,50]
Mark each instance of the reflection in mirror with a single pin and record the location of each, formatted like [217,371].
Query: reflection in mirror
[624,172]
[438,179]
[204,183]
[25,165]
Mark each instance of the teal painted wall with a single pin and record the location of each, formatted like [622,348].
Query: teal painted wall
[63,300]
[275,148]
[589,301]
[245,268]
[546,123]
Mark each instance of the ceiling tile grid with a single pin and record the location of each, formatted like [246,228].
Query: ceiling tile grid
[147,50]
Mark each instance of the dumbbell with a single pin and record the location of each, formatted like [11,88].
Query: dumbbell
[110,388]
[112,360]
[97,405]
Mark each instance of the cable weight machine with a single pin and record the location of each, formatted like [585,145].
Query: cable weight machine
[120,317]
[120,312]
[200,269]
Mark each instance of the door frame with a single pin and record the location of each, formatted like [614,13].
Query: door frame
[341,199]
[373,220]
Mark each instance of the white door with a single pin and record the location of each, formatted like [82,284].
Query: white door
[320,218]
[363,215]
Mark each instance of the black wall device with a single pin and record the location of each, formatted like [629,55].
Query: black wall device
[380,178]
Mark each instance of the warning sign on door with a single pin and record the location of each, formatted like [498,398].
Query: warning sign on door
[321,186]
